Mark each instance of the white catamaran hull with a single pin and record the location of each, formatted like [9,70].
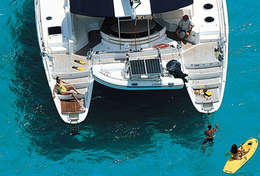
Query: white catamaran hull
[212,105]
[50,60]
[132,45]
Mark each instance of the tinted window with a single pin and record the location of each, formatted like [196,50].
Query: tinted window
[54,30]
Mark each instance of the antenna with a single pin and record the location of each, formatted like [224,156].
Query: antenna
[134,4]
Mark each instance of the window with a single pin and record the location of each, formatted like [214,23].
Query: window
[54,30]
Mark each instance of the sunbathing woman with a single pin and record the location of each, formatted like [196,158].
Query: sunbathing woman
[64,89]
[237,153]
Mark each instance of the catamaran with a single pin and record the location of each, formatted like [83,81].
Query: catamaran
[132,45]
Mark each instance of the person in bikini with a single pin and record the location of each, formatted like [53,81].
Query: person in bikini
[237,153]
[209,134]
[65,89]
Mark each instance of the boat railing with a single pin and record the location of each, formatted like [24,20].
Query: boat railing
[222,43]
[90,77]
[89,57]
[108,58]
[107,74]
[39,19]
[45,51]
[47,54]
[223,24]
[103,57]
[134,41]
[99,60]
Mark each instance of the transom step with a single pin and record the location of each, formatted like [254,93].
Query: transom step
[70,97]
[202,99]
[204,73]
[205,83]
[203,65]
[71,107]
[79,83]
[69,75]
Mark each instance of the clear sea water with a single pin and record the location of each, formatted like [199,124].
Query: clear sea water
[126,133]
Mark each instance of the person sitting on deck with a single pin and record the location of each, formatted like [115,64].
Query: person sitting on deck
[65,90]
[184,28]
[237,153]
[209,134]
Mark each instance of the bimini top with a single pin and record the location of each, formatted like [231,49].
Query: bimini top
[123,8]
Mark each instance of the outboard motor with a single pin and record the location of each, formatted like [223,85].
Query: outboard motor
[174,68]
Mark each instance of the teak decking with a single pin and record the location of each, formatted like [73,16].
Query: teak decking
[70,107]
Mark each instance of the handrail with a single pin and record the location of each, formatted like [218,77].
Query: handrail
[39,20]
[89,57]
[139,41]
[223,32]
[222,19]
[42,44]
[223,37]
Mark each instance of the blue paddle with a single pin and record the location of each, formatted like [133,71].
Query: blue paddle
[228,154]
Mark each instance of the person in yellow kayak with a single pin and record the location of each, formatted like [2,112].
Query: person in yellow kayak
[209,135]
[64,90]
[237,153]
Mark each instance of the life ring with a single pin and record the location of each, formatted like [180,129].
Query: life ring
[163,45]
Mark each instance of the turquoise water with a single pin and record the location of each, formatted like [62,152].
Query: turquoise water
[126,133]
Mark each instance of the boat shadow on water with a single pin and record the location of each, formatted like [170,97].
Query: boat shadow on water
[119,121]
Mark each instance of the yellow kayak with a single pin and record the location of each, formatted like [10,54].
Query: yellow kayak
[232,165]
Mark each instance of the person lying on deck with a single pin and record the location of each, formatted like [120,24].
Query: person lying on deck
[237,153]
[184,28]
[65,89]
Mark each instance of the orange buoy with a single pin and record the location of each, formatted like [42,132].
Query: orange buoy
[163,45]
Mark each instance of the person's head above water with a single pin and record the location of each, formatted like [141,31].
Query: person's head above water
[234,149]
[185,17]
[209,127]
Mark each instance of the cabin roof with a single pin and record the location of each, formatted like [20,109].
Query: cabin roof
[121,8]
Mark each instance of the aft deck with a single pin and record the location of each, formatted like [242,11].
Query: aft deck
[64,63]
[205,73]
[63,67]
[71,107]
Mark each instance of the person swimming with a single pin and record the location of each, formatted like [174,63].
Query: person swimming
[209,134]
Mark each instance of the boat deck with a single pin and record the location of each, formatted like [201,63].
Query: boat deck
[201,54]
[204,72]
[70,107]
[199,62]
[63,63]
